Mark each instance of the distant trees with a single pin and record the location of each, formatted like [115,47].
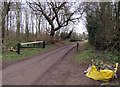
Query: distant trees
[26,26]
[103,25]
[33,21]
[18,13]
[23,22]
[36,20]
[57,14]
[5,9]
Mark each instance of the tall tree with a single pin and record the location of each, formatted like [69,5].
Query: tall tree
[5,10]
[52,11]
[103,25]
[18,20]
[26,26]
[32,23]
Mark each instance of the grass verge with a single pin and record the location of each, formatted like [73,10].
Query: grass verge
[25,53]
[109,58]
[0,56]
[90,53]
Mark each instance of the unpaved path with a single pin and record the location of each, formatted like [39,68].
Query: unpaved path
[70,72]
[8,63]
[29,71]
[67,72]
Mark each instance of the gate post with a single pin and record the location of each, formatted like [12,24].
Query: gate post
[77,46]
[43,44]
[18,48]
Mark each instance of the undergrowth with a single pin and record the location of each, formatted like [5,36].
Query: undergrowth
[90,53]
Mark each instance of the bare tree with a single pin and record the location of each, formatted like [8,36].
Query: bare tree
[18,20]
[5,10]
[32,23]
[26,25]
[57,14]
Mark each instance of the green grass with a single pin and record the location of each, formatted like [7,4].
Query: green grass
[90,54]
[0,56]
[25,53]
[67,41]
[85,55]
[99,57]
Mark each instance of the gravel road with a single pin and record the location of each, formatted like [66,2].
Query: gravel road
[29,71]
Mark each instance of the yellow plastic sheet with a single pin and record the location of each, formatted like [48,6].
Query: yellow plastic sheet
[103,75]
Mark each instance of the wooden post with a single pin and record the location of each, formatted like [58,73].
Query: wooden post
[33,44]
[77,46]
[43,44]
[39,45]
[18,48]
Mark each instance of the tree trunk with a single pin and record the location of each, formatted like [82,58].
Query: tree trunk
[5,10]
[32,24]
[18,21]
[52,33]
[26,27]
[39,26]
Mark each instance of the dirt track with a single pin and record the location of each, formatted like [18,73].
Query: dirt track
[50,68]
[29,71]
[67,72]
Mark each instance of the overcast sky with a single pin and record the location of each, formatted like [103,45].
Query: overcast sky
[80,28]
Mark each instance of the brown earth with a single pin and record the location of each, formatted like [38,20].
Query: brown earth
[55,67]
[70,72]
[67,72]
[29,71]
[8,63]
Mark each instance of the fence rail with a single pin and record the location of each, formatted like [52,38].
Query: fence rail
[31,42]
[37,44]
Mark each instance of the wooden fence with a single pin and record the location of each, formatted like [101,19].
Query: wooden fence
[37,44]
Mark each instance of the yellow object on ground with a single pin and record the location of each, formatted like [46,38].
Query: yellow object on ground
[102,75]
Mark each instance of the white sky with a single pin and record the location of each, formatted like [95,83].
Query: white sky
[80,28]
